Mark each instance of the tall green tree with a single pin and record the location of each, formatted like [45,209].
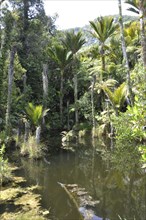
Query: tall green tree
[139,7]
[103,29]
[62,57]
[125,56]
[74,42]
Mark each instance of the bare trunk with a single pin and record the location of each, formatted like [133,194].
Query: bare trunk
[38,134]
[10,82]
[24,83]
[45,88]
[76,98]
[61,98]
[102,52]
[143,34]
[126,62]
[92,103]
[68,125]
[45,83]
[26,134]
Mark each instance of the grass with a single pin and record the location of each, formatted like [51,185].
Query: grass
[32,149]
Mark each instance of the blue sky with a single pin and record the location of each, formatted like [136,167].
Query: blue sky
[77,13]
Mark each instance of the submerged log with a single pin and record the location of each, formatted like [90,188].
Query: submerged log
[82,201]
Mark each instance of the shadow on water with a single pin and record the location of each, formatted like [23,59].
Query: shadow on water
[118,192]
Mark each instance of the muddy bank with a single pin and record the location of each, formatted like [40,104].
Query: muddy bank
[18,201]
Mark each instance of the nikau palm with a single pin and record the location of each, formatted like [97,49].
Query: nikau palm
[35,114]
[125,57]
[117,97]
[62,57]
[74,42]
[103,28]
[139,7]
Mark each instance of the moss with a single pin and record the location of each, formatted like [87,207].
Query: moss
[9,194]
[24,202]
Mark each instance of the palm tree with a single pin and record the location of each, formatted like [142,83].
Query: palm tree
[62,57]
[74,42]
[104,28]
[126,61]
[139,7]
[116,98]
[35,114]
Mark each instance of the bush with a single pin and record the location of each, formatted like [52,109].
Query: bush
[32,149]
[5,173]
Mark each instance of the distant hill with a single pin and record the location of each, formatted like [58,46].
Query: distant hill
[87,29]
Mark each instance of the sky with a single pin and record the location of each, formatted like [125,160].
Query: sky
[77,13]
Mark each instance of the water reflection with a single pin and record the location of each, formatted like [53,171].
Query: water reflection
[120,191]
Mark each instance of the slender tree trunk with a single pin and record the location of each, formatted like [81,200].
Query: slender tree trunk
[25,28]
[61,97]
[102,52]
[68,125]
[142,29]
[10,82]
[38,134]
[26,132]
[45,84]
[92,104]
[76,98]
[124,52]
[24,83]
[45,88]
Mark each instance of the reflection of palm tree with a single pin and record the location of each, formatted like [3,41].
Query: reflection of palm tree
[74,42]
[62,57]
[104,28]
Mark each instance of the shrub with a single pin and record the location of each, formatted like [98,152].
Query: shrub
[32,149]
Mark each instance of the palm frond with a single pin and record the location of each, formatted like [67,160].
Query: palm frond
[73,41]
[35,113]
[103,28]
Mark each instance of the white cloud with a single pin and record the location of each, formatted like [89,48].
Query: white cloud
[78,13]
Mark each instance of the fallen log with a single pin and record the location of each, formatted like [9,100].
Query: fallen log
[81,200]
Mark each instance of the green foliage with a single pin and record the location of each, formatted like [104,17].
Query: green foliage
[117,97]
[35,113]
[32,149]
[103,28]
[134,4]
[60,55]
[4,167]
[73,41]
[142,149]
[129,125]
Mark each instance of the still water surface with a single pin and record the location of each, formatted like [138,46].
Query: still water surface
[119,194]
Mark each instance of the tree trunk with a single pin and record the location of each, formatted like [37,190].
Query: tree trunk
[26,133]
[68,125]
[126,62]
[102,53]
[10,82]
[45,84]
[61,97]
[38,134]
[142,29]
[76,98]
[92,103]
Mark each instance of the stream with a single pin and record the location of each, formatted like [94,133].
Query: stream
[118,192]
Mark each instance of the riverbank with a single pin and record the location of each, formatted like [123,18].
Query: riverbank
[18,201]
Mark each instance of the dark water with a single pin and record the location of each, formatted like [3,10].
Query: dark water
[120,192]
